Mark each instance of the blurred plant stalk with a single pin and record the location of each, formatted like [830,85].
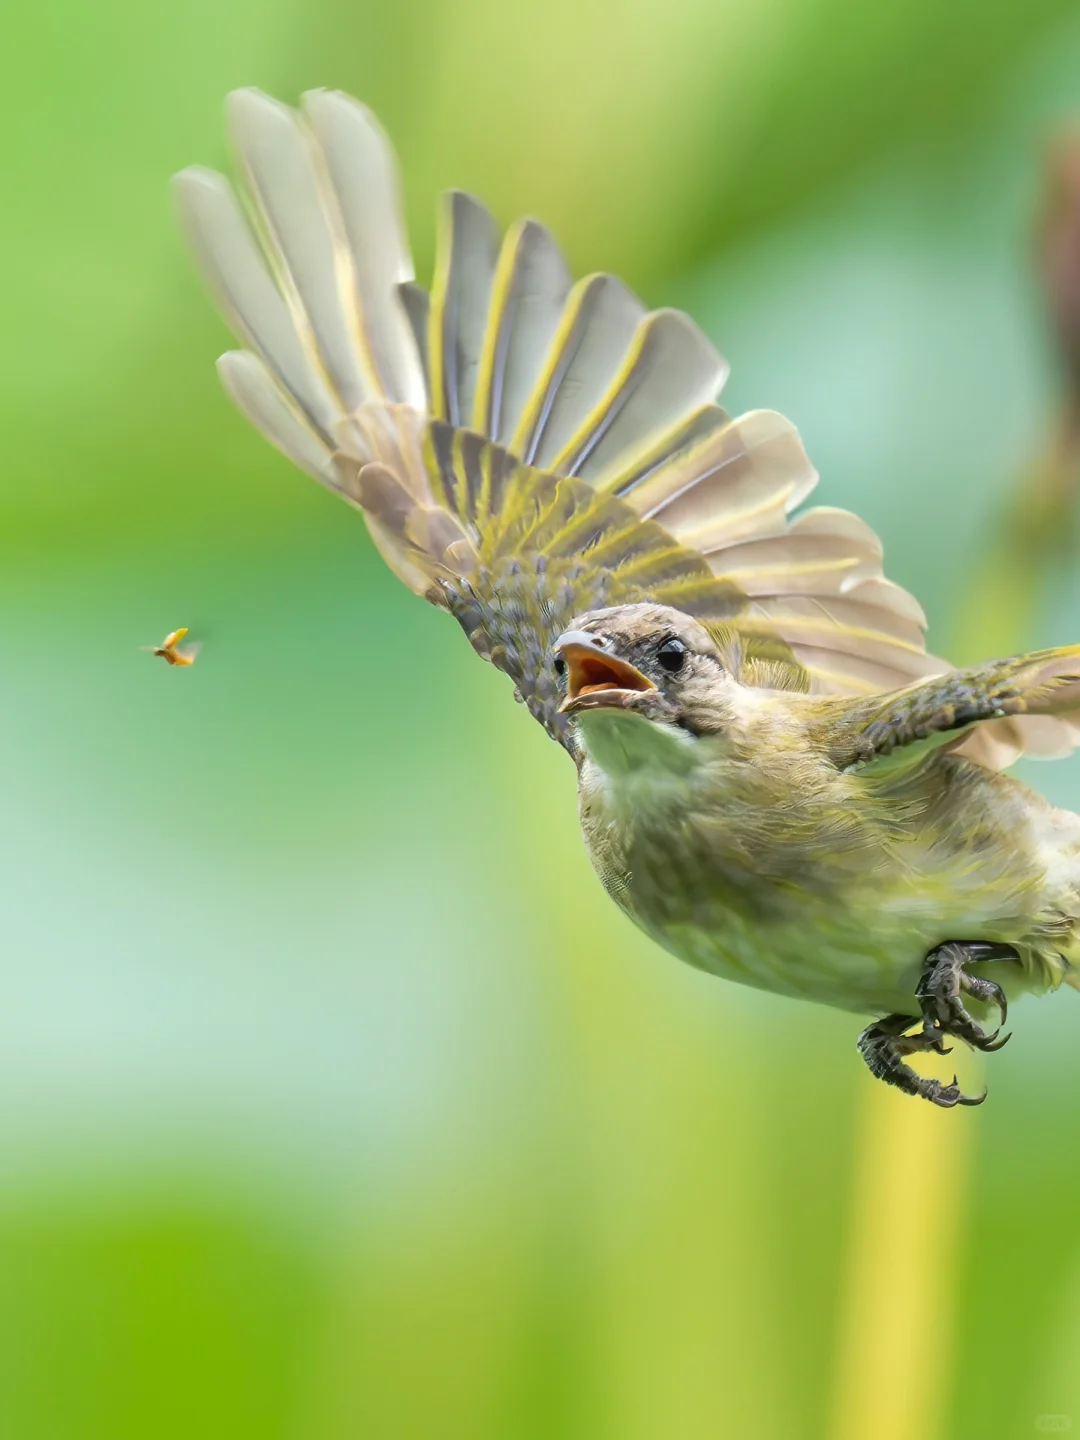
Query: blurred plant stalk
[912,1167]
[894,1347]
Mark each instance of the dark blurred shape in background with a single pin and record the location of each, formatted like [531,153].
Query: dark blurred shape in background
[1058,261]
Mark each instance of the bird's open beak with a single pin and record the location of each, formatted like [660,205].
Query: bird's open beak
[594,679]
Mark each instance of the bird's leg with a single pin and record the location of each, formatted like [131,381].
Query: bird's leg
[884,1046]
[945,981]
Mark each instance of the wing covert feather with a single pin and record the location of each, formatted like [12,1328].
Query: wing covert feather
[1034,688]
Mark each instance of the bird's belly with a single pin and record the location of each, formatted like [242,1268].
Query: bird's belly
[849,927]
[859,947]
[864,949]
[835,938]
[867,967]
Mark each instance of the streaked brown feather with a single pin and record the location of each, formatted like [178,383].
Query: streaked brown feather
[1036,686]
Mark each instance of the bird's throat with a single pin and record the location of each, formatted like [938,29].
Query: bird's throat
[622,743]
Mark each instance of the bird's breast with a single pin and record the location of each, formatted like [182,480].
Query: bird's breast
[821,895]
[690,849]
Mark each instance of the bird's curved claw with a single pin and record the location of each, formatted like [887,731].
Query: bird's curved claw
[885,1045]
[993,1043]
[949,1096]
[945,981]
[935,1039]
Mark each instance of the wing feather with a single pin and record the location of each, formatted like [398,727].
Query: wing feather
[375,264]
[525,449]
[595,332]
[416,302]
[238,276]
[669,367]
[460,299]
[527,302]
[736,481]
[251,385]
[278,159]
[792,563]
[832,672]
[904,727]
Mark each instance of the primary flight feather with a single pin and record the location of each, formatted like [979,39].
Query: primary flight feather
[776,781]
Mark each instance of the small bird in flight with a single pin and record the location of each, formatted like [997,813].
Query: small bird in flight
[776,781]
[172,652]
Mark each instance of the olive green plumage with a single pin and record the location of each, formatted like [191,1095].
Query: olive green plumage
[776,780]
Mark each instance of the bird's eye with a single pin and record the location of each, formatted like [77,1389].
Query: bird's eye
[560,666]
[671,655]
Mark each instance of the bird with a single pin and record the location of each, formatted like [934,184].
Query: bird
[171,651]
[777,782]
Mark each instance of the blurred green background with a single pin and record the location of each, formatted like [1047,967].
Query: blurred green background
[336,1100]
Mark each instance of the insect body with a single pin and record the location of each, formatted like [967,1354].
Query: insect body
[171,651]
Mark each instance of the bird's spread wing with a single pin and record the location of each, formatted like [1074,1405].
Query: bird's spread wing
[525,448]
[887,731]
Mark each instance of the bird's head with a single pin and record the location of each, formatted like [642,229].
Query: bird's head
[634,668]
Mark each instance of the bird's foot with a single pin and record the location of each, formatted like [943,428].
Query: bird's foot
[945,981]
[885,1045]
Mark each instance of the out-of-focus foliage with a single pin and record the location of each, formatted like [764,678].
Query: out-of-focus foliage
[338,1100]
